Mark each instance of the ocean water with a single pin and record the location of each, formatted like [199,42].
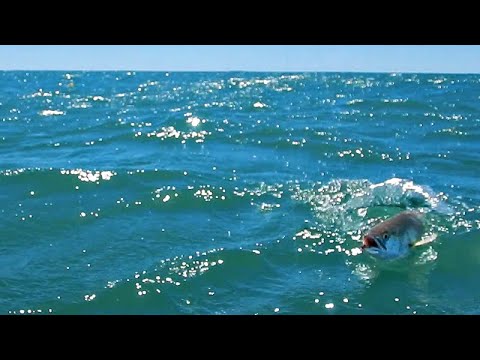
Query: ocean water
[235,193]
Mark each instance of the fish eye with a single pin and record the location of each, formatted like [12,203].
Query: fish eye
[385,236]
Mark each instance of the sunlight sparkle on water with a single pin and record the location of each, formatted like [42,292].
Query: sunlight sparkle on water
[194,121]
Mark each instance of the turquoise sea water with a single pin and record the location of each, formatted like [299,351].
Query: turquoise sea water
[235,193]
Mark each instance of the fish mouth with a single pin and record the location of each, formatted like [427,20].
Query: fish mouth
[370,242]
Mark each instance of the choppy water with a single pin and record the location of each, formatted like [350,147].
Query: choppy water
[235,193]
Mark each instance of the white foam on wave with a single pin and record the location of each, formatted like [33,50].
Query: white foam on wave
[409,194]
[344,204]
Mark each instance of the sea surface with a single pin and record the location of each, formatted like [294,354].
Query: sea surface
[235,192]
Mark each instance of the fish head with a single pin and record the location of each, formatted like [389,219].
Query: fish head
[384,245]
[375,244]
